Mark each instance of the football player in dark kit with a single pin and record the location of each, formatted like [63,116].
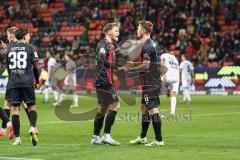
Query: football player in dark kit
[7,104]
[21,64]
[150,80]
[106,94]
[6,108]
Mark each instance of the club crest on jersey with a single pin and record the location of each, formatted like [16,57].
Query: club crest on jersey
[35,54]
[102,50]
[114,96]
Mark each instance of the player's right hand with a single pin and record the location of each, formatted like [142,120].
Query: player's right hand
[126,69]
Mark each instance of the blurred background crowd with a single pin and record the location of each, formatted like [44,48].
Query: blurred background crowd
[206,30]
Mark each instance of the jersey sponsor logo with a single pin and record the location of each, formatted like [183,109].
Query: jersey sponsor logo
[218,82]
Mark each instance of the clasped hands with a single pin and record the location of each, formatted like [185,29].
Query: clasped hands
[126,67]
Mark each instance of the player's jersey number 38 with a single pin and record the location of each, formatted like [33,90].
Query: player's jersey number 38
[18,60]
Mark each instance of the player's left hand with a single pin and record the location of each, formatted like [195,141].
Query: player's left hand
[3,44]
[129,64]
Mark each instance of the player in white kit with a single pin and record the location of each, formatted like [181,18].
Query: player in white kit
[50,67]
[187,76]
[171,76]
[70,82]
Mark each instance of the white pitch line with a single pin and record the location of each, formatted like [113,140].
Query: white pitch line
[16,158]
[193,115]
[215,114]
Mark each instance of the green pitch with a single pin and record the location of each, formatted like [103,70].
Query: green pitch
[206,129]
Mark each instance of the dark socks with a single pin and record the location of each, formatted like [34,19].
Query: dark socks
[33,118]
[98,123]
[27,112]
[156,122]
[145,124]
[110,118]
[7,114]
[3,116]
[7,111]
[16,125]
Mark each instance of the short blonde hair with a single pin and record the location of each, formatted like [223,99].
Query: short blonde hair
[12,30]
[146,25]
[109,26]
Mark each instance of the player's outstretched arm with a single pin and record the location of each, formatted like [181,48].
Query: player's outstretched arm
[144,66]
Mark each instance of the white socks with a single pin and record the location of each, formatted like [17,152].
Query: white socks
[75,99]
[173,104]
[46,92]
[107,135]
[17,138]
[61,97]
[186,96]
[56,95]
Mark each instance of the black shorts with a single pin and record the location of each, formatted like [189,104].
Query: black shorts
[106,95]
[8,95]
[150,96]
[24,94]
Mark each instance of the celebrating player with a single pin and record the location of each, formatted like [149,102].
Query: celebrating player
[106,94]
[171,76]
[21,65]
[12,39]
[187,76]
[7,104]
[150,80]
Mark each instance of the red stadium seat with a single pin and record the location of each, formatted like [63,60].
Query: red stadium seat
[227,63]
[46,39]
[221,22]
[224,28]
[220,18]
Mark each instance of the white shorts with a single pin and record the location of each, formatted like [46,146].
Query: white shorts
[174,84]
[47,82]
[66,81]
[186,83]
